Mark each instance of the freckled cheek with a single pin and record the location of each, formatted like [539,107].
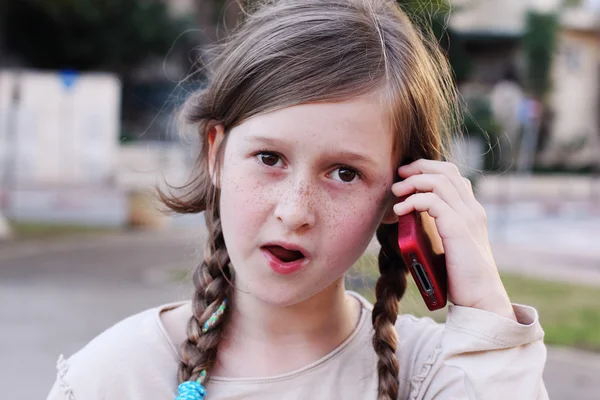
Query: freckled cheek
[245,200]
[356,211]
[350,226]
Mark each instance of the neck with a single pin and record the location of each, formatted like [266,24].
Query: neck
[331,310]
[300,334]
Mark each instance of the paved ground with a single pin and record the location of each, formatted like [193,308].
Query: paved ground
[564,245]
[56,296]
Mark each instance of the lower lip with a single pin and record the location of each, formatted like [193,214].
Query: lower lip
[281,267]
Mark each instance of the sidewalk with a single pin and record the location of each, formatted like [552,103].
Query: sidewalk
[55,296]
[572,374]
[551,264]
[564,245]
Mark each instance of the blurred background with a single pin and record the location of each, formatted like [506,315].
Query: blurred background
[88,91]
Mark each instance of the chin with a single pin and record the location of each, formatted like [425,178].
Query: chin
[279,294]
[258,281]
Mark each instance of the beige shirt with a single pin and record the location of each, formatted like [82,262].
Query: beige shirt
[475,355]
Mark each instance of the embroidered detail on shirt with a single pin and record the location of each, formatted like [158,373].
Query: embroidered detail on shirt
[417,380]
[62,367]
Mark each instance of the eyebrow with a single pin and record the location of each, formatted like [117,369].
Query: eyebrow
[361,158]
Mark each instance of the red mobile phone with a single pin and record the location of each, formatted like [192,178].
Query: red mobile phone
[423,253]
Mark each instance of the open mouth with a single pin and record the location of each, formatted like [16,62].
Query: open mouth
[284,254]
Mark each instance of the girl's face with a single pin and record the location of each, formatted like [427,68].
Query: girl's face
[313,177]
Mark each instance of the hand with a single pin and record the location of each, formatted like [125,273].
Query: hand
[438,188]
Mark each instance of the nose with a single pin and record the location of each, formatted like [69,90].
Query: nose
[295,206]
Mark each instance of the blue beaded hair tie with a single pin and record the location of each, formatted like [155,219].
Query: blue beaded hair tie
[190,390]
[194,390]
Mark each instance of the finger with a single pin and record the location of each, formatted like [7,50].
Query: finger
[436,183]
[424,166]
[420,202]
[448,222]
[469,185]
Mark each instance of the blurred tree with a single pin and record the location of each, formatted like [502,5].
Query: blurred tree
[432,16]
[539,43]
[479,122]
[113,35]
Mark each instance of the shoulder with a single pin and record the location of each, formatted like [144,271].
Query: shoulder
[419,346]
[413,333]
[120,361]
[417,334]
[419,339]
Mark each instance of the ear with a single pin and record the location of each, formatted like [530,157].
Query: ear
[215,134]
[389,216]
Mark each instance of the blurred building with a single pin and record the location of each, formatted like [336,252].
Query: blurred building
[492,33]
[575,100]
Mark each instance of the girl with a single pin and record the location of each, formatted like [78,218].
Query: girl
[312,113]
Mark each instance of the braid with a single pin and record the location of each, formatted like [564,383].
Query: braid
[212,283]
[389,289]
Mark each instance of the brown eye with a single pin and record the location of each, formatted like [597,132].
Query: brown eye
[269,159]
[346,174]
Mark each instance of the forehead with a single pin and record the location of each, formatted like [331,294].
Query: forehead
[357,124]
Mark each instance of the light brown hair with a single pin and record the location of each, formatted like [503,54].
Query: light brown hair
[290,52]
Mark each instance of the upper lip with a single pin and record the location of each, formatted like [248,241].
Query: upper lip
[288,246]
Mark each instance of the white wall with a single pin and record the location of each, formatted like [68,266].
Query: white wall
[58,148]
[57,135]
